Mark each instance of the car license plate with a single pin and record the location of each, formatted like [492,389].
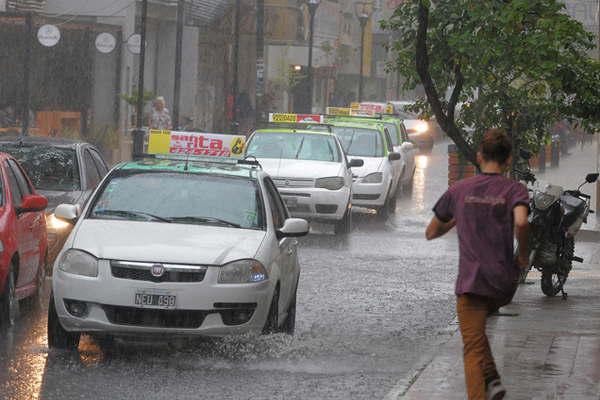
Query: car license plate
[155,300]
[290,201]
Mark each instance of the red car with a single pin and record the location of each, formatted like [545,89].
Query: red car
[23,240]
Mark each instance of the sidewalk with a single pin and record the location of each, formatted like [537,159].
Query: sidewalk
[545,348]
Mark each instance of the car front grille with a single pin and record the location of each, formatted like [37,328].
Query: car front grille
[281,182]
[326,208]
[142,272]
[365,196]
[146,317]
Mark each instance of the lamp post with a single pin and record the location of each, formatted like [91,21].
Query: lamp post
[363,11]
[312,10]
[138,133]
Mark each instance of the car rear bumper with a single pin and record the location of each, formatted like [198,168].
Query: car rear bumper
[316,204]
[202,308]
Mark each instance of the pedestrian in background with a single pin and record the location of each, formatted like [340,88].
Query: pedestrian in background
[160,117]
[488,210]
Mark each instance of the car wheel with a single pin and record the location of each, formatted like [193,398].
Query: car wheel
[37,300]
[58,337]
[389,207]
[9,305]
[290,321]
[344,226]
[272,324]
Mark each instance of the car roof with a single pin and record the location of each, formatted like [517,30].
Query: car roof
[375,124]
[292,131]
[41,140]
[194,166]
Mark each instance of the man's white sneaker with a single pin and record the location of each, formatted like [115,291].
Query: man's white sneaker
[495,390]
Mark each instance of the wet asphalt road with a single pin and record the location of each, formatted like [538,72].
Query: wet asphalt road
[369,307]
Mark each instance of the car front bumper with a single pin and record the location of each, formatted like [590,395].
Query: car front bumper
[316,204]
[201,307]
[371,195]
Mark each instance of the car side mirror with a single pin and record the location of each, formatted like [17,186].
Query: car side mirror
[33,203]
[356,162]
[591,178]
[67,212]
[293,227]
[394,156]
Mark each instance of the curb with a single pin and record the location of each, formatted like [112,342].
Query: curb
[403,385]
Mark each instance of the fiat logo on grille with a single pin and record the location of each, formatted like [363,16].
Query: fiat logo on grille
[157,270]
[287,183]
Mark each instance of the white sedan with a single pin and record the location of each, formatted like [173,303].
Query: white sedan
[177,248]
[311,172]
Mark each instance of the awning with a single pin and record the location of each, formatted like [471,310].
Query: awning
[25,5]
[200,12]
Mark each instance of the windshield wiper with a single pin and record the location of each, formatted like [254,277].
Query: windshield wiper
[126,213]
[204,220]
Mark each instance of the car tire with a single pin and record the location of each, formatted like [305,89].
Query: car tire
[289,326]
[344,226]
[36,302]
[9,305]
[272,323]
[389,207]
[58,337]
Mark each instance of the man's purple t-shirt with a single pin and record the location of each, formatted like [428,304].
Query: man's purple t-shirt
[483,209]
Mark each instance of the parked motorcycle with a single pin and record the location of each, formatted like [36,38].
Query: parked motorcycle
[555,219]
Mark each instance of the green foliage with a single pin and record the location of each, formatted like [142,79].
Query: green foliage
[524,64]
[131,99]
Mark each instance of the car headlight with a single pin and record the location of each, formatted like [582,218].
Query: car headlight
[79,262]
[55,223]
[542,200]
[243,271]
[376,177]
[422,127]
[331,183]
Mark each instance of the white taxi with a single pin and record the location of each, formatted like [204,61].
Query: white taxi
[311,172]
[177,247]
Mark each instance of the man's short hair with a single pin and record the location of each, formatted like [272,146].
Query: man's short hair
[496,146]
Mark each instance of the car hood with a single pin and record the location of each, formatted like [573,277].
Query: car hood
[300,168]
[165,242]
[56,197]
[372,164]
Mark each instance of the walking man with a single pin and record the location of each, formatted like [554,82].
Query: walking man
[488,210]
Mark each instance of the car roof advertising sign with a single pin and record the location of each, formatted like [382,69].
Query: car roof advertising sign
[196,144]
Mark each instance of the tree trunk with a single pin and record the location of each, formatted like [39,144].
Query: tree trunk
[446,120]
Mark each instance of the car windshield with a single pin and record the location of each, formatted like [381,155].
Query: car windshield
[181,198]
[295,146]
[360,142]
[393,130]
[49,168]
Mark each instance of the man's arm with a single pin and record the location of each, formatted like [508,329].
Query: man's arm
[438,228]
[521,213]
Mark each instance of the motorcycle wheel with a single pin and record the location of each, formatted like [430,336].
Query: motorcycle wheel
[552,283]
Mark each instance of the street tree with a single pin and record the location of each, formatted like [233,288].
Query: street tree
[516,64]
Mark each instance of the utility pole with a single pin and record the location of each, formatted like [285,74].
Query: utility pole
[139,133]
[236,66]
[260,60]
[26,75]
[363,23]
[598,133]
[178,51]
[312,10]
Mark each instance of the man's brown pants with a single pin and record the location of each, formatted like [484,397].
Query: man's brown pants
[480,368]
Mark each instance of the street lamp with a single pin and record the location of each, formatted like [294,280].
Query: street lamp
[363,11]
[312,10]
